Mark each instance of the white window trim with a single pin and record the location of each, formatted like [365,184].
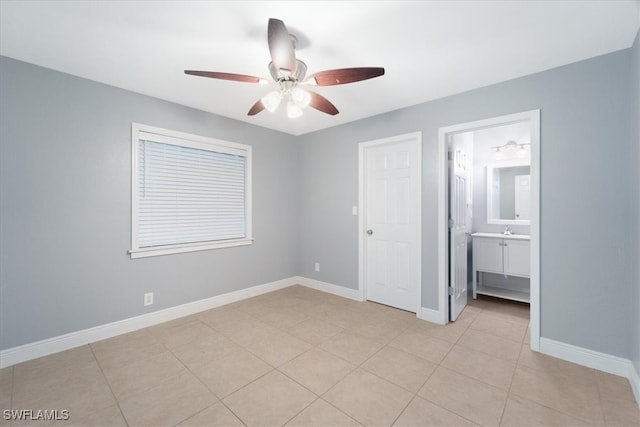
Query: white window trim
[194,141]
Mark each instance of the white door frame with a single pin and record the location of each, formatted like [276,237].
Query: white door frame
[533,117]
[362,147]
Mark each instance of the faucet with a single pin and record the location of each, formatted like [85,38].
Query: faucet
[507,231]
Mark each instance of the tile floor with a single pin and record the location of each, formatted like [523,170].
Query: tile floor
[300,357]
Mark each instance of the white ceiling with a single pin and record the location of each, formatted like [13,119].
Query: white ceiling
[430,49]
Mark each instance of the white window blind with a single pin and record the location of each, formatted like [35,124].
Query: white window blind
[189,193]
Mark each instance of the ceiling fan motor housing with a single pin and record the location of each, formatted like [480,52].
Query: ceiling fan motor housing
[296,75]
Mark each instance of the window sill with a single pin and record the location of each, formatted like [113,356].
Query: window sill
[190,247]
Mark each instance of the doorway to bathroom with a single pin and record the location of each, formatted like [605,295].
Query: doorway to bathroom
[489,198]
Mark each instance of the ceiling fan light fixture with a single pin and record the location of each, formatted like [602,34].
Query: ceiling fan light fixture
[293,109]
[271,101]
[300,97]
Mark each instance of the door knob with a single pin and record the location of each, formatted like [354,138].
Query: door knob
[369,232]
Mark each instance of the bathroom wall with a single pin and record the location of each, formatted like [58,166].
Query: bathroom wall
[484,155]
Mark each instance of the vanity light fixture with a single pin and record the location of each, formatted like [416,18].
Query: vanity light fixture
[511,149]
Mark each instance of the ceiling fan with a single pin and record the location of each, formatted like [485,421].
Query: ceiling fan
[289,72]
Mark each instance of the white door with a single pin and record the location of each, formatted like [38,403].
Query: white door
[460,223]
[392,199]
[523,196]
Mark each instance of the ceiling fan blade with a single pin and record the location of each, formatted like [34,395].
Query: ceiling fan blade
[321,103]
[281,46]
[345,75]
[225,76]
[256,108]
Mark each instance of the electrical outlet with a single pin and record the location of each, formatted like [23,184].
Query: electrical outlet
[317,266]
[148,298]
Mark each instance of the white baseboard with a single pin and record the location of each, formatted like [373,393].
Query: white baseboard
[582,356]
[340,291]
[431,315]
[423,313]
[593,359]
[47,346]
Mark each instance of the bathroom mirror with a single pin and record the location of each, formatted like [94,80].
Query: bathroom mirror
[509,194]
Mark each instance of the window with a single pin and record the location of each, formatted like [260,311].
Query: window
[188,192]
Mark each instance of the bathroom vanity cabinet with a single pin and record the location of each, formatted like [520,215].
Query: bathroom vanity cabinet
[507,255]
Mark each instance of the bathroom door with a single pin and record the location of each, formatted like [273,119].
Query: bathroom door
[459,223]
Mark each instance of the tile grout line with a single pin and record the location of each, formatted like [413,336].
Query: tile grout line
[319,397]
[513,375]
[166,350]
[416,394]
[395,420]
[338,409]
[439,364]
[485,353]
[482,311]
[302,410]
[193,415]
[510,393]
[522,343]
[604,419]
[106,380]
[276,369]
[219,400]
[263,375]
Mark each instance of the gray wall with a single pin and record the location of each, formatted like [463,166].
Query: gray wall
[65,174]
[635,198]
[585,141]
